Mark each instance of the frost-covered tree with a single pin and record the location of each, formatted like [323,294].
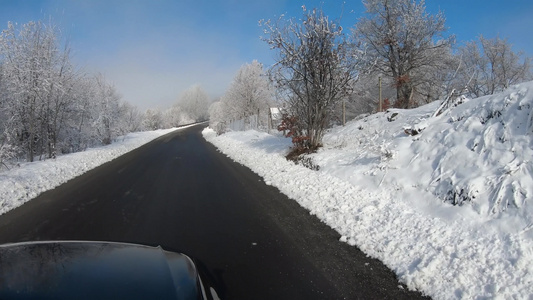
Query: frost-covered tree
[194,102]
[314,69]
[8,147]
[78,132]
[46,105]
[106,112]
[97,116]
[250,91]
[153,119]
[37,77]
[365,96]
[217,118]
[59,102]
[175,116]
[131,117]
[490,65]
[249,94]
[406,43]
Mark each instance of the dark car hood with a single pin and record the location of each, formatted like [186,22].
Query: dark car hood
[95,270]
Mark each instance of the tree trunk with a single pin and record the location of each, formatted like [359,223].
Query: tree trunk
[403,94]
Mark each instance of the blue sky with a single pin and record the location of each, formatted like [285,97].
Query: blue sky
[154,50]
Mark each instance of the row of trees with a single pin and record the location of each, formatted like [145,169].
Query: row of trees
[319,66]
[191,107]
[488,66]
[410,49]
[48,106]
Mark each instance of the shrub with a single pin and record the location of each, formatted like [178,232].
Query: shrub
[291,127]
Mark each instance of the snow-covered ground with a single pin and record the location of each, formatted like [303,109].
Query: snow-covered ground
[21,184]
[392,194]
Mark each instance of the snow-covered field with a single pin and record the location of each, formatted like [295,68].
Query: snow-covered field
[21,184]
[392,194]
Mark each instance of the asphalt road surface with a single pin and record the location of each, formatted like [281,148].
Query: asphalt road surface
[179,192]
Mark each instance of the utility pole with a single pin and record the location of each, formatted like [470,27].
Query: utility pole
[380,101]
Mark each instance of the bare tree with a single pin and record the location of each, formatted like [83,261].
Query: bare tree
[406,43]
[78,132]
[60,98]
[46,105]
[490,66]
[217,117]
[194,102]
[176,116]
[37,77]
[106,111]
[249,94]
[153,119]
[314,69]
[132,117]
[365,96]
[8,148]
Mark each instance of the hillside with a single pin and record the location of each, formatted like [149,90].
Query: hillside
[475,155]
[448,209]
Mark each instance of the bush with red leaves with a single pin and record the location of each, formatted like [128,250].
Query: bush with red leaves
[291,128]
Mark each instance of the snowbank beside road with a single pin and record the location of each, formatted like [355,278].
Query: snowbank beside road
[26,182]
[391,193]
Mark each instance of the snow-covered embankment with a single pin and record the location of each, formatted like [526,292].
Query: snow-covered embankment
[449,209]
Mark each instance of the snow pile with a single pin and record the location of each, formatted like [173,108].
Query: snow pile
[448,209]
[476,154]
[26,182]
